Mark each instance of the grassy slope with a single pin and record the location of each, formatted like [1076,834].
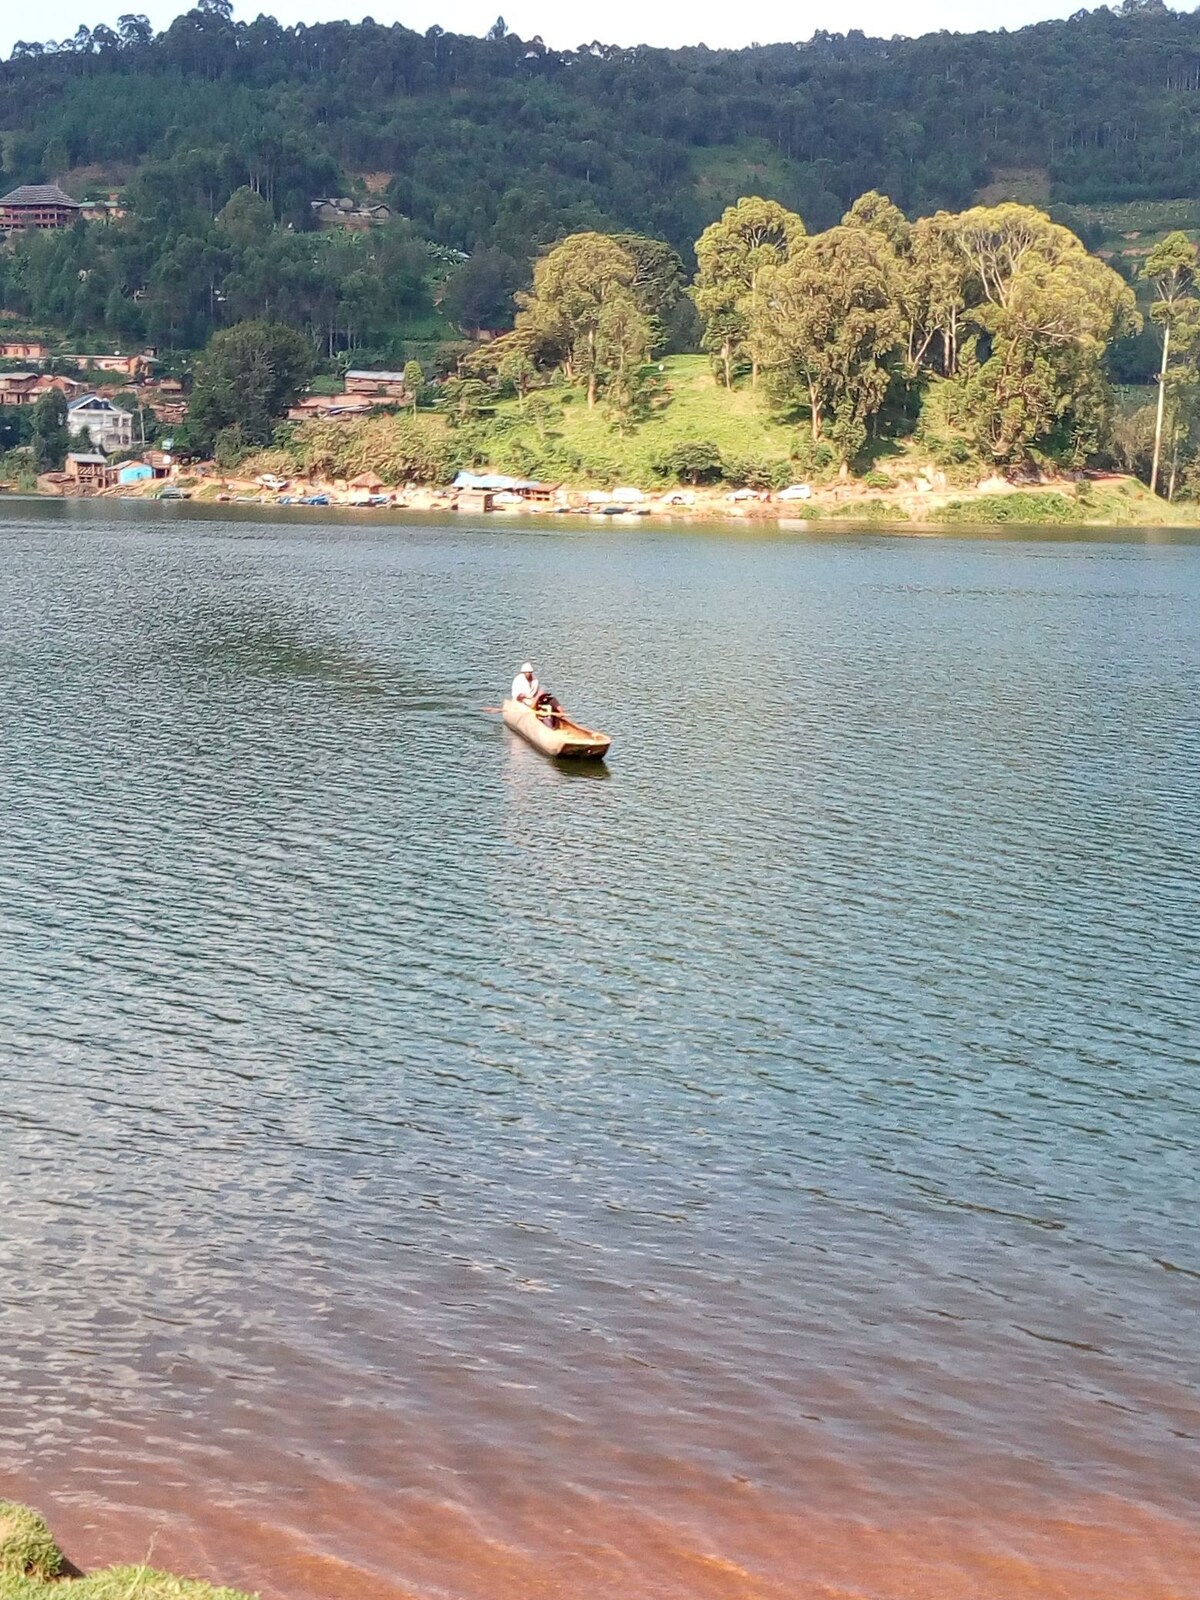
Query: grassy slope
[691,406]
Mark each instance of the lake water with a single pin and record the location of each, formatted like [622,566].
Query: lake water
[766,1170]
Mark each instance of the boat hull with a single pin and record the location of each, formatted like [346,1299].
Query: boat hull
[568,742]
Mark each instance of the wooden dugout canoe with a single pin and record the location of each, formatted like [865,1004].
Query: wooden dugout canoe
[568,740]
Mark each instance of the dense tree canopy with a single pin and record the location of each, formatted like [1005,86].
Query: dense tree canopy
[246,378]
[506,143]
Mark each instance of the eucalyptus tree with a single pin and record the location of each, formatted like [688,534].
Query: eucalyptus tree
[828,328]
[582,312]
[1171,268]
[1044,311]
[748,240]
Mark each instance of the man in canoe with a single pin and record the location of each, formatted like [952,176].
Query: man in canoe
[527,691]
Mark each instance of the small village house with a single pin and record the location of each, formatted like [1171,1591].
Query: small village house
[104,208]
[50,381]
[108,426]
[90,468]
[123,366]
[380,385]
[169,412]
[329,405]
[23,350]
[537,494]
[475,500]
[37,207]
[340,211]
[18,388]
[134,472]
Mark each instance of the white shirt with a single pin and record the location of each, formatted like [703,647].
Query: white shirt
[525,687]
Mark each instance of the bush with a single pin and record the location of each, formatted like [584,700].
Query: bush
[229,447]
[1025,506]
[813,458]
[877,480]
[866,511]
[400,449]
[758,472]
[695,461]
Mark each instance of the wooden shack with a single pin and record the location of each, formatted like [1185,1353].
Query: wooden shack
[90,468]
[536,494]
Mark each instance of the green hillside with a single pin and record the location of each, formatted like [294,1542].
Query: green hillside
[498,146]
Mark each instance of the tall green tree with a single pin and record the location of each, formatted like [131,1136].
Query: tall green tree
[479,293]
[246,218]
[582,311]
[937,278]
[658,276]
[732,254]
[247,378]
[1171,268]
[1044,312]
[828,328]
[51,437]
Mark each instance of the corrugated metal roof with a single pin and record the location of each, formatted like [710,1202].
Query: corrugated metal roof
[38,194]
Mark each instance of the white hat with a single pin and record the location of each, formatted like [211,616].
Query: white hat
[527,666]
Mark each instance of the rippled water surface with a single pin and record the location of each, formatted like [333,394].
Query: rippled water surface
[766,1170]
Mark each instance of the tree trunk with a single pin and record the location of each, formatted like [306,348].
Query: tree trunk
[814,406]
[753,327]
[726,357]
[1158,420]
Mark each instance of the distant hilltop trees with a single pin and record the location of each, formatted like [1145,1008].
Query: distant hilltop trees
[501,142]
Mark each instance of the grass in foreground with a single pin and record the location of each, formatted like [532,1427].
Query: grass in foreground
[32,1567]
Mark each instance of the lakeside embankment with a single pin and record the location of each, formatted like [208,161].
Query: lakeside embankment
[1095,500]
[33,1567]
[702,453]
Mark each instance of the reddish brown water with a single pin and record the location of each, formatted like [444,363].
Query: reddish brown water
[768,1171]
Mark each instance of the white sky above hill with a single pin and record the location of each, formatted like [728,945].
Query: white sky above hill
[625,22]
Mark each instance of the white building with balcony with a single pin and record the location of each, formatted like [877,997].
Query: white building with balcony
[109,427]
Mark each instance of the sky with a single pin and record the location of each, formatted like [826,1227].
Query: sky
[624,22]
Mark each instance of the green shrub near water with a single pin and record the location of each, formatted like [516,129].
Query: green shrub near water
[32,1567]
[1025,506]
[400,449]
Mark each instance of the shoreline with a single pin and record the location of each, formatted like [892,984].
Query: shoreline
[1099,500]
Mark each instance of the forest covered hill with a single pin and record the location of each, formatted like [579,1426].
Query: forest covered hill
[503,143]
